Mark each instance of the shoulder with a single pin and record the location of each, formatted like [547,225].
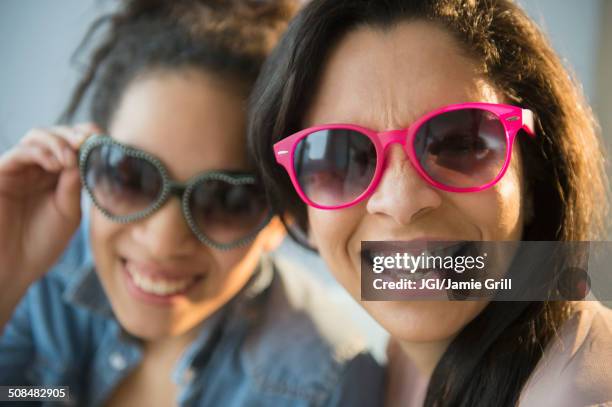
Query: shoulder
[46,297]
[304,346]
[49,312]
[48,334]
[574,370]
[72,274]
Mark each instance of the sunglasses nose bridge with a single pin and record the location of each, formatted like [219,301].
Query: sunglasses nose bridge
[177,189]
[392,136]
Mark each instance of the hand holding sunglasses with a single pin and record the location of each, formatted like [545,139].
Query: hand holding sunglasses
[458,148]
[224,209]
[40,206]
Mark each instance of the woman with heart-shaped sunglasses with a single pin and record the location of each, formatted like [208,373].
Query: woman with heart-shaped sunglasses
[182,303]
[440,120]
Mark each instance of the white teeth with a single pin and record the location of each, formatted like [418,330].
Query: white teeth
[416,276]
[158,286]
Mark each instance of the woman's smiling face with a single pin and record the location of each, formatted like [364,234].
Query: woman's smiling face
[193,123]
[386,79]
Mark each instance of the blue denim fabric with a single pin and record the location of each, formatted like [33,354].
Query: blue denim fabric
[277,343]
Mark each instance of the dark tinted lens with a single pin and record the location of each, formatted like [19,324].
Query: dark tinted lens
[121,184]
[225,212]
[334,167]
[462,148]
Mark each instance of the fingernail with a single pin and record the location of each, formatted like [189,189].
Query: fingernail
[79,136]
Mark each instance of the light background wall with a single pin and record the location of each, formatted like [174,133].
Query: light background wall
[38,38]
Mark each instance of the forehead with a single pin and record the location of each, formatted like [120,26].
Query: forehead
[387,78]
[192,121]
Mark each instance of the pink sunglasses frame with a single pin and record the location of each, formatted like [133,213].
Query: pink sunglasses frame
[513,118]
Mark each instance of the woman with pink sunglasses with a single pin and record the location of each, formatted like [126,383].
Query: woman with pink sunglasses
[431,120]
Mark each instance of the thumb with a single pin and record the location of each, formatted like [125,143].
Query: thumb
[89,128]
[68,194]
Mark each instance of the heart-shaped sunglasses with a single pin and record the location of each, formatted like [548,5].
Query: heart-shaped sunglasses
[224,209]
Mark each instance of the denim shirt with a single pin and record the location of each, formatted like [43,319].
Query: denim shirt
[277,343]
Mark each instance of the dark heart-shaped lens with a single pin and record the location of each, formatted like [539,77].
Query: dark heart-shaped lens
[226,211]
[334,166]
[463,148]
[119,183]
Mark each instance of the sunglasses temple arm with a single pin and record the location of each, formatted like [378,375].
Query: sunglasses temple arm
[528,122]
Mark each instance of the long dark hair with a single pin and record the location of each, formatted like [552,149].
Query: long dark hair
[229,38]
[490,360]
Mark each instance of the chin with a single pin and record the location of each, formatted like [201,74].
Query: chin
[148,317]
[424,321]
[152,328]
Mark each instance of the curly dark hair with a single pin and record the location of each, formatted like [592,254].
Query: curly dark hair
[230,38]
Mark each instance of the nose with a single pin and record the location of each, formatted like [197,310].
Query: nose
[165,234]
[402,193]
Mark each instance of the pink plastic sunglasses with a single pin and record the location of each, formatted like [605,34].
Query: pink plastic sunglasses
[458,148]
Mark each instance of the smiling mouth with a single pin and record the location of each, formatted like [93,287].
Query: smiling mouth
[452,249]
[158,285]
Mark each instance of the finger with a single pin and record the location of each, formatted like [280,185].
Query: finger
[44,157]
[68,196]
[44,137]
[77,135]
[22,156]
[56,142]
[89,128]
[72,135]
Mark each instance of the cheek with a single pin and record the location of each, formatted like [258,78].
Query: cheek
[230,261]
[103,236]
[509,193]
[330,230]
[332,233]
[509,203]
[496,212]
[235,266]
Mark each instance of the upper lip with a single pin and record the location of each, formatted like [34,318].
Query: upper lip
[415,246]
[159,270]
[415,241]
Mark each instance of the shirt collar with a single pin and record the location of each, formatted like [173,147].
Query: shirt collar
[237,314]
[85,290]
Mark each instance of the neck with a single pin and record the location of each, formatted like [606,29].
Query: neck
[410,366]
[170,348]
[425,355]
